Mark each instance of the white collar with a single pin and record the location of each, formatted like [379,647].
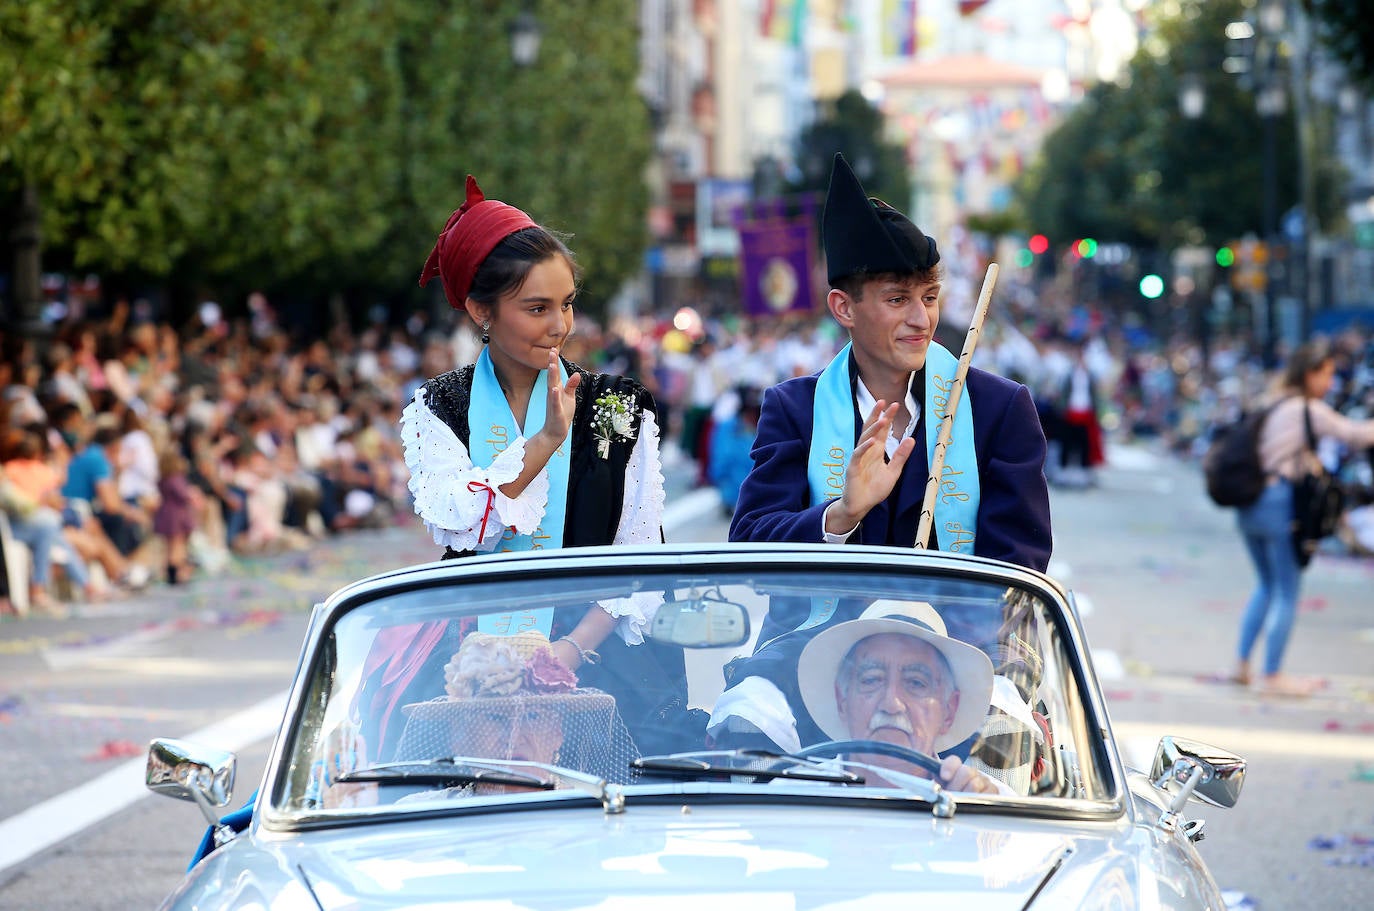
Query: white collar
[865,400]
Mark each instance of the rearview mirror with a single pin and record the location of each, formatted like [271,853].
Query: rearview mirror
[701,622]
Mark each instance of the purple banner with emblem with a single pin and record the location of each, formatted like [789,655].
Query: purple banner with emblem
[776,255]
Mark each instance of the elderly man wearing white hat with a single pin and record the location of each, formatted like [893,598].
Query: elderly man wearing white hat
[894,676]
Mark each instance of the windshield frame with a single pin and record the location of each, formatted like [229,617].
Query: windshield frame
[271,813]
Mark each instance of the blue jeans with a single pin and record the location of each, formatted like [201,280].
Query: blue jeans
[1267,527]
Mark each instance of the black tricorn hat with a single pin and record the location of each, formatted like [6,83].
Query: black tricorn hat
[862,234]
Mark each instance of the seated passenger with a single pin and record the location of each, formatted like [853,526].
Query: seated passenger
[508,698]
[894,676]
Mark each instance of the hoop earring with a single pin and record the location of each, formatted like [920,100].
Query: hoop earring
[486,325]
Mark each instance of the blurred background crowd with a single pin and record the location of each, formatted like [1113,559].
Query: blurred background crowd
[137,452]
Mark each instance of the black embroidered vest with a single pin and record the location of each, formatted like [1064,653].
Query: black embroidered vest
[596,486]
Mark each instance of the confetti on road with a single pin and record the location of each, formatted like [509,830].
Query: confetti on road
[10,706]
[116,749]
[1238,901]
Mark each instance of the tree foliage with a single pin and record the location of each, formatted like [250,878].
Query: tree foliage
[230,144]
[1347,28]
[853,126]
[1126,165]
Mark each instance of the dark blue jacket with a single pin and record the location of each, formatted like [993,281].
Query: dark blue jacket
[1014,506]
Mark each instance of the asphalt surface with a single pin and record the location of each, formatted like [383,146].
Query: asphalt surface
[1160,573]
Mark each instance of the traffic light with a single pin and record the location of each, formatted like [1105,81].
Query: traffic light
[1151,286]
[1038,244]
[1226,257]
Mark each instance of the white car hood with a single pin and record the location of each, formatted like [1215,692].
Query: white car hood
[698,857]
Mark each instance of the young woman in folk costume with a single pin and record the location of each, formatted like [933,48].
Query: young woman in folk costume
[525,450]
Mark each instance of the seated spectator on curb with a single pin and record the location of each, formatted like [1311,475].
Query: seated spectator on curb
[37,508]
[91,478]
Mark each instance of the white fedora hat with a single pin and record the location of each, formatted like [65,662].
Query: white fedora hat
[820,663]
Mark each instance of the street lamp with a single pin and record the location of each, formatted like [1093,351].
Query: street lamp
[1269,102]
[1271,17]
[1192,97]
[525,35]
[1254,57]
[1192,102]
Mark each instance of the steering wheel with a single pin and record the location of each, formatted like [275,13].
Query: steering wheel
[832,748]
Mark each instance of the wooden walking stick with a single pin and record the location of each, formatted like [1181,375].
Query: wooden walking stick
[937,459]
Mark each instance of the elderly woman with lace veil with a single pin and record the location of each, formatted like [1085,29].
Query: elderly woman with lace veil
[525,450]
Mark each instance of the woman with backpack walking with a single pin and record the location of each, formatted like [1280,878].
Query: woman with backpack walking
[1266,524]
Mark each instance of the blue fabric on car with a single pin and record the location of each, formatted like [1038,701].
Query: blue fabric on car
[238,820]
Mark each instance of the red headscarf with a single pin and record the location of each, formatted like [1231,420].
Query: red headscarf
[471,233]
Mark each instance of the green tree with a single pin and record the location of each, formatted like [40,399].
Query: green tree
[1348,30]
[49,56]
[220,145]
[566,139]
[852,125]
[1126,165]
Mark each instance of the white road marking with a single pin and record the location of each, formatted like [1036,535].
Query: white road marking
[1132,458]
[33,830]
[1140,739]
[695,505]
[1084,605]
[37,828]
[61,659]
[1108,664]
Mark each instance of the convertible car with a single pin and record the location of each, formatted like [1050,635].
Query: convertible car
[767,726]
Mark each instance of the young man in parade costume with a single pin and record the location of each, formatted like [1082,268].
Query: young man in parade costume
[842,457]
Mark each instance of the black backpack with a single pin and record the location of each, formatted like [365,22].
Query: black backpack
[1231,466]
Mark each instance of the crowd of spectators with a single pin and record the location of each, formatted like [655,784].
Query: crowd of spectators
[137,451]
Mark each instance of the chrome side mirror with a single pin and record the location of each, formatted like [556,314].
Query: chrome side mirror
[188,771]
[1189,769]
[701,622]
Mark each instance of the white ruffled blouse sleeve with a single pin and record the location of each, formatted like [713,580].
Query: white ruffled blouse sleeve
[441,473]
[641,522]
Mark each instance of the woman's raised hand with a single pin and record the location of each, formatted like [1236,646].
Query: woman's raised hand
[562,401]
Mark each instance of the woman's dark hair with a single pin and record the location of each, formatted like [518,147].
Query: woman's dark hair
[508,264]
[1306,358]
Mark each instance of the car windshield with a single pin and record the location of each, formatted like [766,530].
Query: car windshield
[444,686]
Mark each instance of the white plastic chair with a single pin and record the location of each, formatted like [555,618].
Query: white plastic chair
[18,566]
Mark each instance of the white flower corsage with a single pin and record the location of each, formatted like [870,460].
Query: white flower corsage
[613,418]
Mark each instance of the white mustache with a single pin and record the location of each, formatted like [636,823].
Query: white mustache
[883,719]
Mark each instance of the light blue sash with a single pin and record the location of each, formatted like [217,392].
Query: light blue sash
[832,441]
[491,428]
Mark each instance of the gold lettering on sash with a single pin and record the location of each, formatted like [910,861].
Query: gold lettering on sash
[958,537]
[538,537]
[949,486]
[940,399]
[502,625]
[499,438]
[834,470]
[527,622]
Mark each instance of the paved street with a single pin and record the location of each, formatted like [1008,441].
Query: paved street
[1159,572]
